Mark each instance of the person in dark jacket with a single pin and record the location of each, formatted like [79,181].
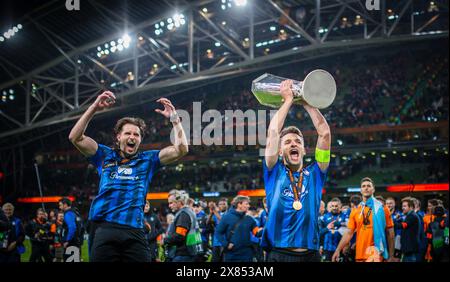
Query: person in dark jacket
[409,227]
[234,232]
[38,230]
[14,236]
[184,242]
[422,237]
[152,228]
[71,231]
[437,234]
[4,222]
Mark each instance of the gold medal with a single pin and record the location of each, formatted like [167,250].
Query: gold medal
[297,205]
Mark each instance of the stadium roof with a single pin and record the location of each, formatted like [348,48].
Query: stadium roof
[59,60]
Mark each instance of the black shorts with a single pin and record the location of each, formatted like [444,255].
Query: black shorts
[282,255]
[118,243]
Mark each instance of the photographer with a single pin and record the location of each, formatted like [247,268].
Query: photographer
[39,232]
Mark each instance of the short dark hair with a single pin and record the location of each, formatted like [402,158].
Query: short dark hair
[355,199]
[223,200]
[409,200]
[130,120]
[367,179]
[291,129]
[66,201]
[433,202]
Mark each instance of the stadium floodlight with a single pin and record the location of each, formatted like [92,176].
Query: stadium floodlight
[126,38]
[11,91]
[99,48]
[126,41]
[6,35]
[106,45]
[19,26]
[217,44]
[11,97]
[15,29]
[113,49]
[240,3]
[99,54]
[113,43]
[120,47]
[273,28]
[106,52]
[2,39]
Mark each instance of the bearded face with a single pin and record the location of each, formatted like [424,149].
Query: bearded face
[129,139]
[292,149]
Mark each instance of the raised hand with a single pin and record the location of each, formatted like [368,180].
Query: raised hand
[286,90]
[169,109]
[104,100]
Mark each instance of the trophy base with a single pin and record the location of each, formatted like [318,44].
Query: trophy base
[273,100]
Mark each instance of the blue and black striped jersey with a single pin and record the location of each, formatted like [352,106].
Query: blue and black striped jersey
[285,226]
[123,186]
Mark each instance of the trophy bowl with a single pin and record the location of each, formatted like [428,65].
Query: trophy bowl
[318,89]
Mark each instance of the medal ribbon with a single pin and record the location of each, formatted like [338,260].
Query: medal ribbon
[294,186]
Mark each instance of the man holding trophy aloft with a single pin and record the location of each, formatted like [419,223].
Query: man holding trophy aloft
[293,191]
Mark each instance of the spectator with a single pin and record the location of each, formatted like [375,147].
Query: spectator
[72,233]
[427,219]
[332,222]
[57,230]
[374,228]
[409,227]
[437,234]
[152,229]
[39,232]
[234,232]
[215,215]
[183,237]
[397,218]
[13,237]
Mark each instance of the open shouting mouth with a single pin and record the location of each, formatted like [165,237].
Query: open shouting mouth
[131,145]
[294,154]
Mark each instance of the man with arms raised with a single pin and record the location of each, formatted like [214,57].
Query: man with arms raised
[293,191]
[117,212]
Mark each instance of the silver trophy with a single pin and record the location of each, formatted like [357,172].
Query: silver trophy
[318,89]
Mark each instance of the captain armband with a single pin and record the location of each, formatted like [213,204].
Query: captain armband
[322,156]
